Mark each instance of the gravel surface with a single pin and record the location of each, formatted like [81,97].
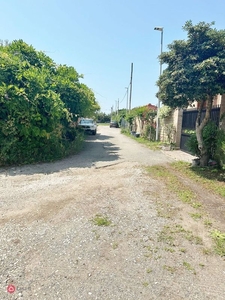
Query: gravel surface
[51,247]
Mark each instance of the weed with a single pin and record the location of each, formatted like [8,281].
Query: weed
[169,268]
[196,205]
[201,265]
[183,250]
[196,216]
[171,250]
[100,220]
[206,251]
[194,239]
[148,248]
[114,245]
[149,271]
[165,236]
[188,267]
[145,284]
[208,223]
[179,228]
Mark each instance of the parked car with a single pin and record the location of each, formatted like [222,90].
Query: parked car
[114,124]
[88,125]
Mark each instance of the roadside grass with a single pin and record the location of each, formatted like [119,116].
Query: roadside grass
[169,233]
[153,145]
[175,185]
[210,179]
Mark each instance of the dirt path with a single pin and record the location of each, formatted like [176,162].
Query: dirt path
[51,247]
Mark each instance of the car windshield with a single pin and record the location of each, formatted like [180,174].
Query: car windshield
[86,121]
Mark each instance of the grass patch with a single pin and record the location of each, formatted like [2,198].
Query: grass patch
[100,220]
[166,236]
[211,178]
[206,251]
[174,185]
[219,240]
[188,267]
[196,205]
[153,145]
[183,250]
[114,245]
[171,250]
[208,223]
[169,268]
[149,271]
[196,216]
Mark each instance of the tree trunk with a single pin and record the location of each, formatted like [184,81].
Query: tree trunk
[204,156]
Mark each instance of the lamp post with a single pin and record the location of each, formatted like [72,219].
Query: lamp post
[160,73]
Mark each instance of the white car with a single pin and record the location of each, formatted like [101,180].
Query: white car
[88,125]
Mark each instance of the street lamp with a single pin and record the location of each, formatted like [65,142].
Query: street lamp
[160,73]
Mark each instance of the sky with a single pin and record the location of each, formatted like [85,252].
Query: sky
[102,38]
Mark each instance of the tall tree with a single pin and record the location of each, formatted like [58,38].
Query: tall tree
[195,72]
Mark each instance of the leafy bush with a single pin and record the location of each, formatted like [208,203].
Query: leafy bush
[39,104]
[214,140]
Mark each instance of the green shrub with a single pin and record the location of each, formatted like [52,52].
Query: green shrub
[214,140]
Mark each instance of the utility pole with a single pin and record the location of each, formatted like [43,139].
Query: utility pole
[131,79]
[118,106]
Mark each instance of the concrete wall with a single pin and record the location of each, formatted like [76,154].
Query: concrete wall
[172,123]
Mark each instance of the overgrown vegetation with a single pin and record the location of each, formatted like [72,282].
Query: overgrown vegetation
[40,102]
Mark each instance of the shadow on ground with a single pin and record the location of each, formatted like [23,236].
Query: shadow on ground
[96,149]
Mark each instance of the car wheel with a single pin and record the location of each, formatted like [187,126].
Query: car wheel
[94,132]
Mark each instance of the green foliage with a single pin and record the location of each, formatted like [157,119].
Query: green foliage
[149,132]
[214,141]
[195,67]
[103,117]
[164,111]
[38,105]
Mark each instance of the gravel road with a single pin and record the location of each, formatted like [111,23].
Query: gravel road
[51,247]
